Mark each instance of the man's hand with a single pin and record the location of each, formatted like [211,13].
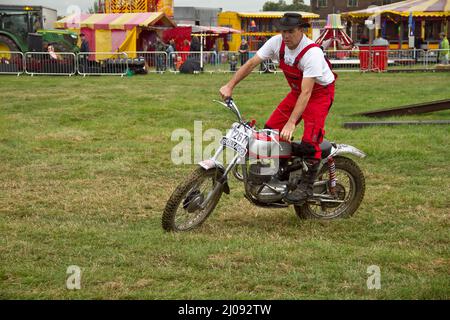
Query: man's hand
[288,131]
[226,92]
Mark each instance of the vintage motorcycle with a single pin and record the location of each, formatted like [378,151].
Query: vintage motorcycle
[269,169]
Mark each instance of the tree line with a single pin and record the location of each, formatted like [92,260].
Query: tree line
[281,5]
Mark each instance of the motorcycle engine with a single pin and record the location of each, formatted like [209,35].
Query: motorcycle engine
[263,183]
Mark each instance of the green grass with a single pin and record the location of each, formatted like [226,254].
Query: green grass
[85,172]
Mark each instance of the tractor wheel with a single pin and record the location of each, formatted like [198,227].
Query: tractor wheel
[7,46]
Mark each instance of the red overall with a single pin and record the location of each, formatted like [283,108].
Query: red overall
[316,110]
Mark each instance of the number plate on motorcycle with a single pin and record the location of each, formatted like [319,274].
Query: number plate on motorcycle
[237,139]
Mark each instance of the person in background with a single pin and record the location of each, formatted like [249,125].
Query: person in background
[173,44]
[214,55]
[84,48]
[160,56]
[51,52]
[171,54]
[84,43]
[186,47]
[233,63]
[243,51]
[179,63]
[418,42]
[195,50]
[444,49]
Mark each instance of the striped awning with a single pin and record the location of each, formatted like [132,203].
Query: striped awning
[275,14]
[418,8]
[120,21]
[216,30]
[260,34]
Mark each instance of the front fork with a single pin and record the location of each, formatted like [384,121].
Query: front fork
[222,180]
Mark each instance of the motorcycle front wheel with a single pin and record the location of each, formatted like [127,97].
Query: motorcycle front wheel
[350,189]
[186,210]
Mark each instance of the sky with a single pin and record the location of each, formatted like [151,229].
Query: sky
[227,5]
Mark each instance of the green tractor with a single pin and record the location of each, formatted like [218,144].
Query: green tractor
[26,28]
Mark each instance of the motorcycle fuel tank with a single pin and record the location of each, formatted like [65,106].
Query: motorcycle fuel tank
[266,145]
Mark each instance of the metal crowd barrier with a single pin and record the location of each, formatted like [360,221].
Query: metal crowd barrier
[175,60]
[148,61]
[437,57]
[45,63]
[120,63]
[11,62]
[406,59]
[377,60]
[231,61]
[103,63]
[344,60]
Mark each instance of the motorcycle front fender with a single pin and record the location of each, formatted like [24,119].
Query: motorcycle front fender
[211,164]
[347,149]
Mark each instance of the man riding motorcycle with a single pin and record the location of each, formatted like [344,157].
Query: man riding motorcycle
[312,84]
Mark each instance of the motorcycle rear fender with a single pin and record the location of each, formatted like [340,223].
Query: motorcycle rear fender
[211,164]
[347,149]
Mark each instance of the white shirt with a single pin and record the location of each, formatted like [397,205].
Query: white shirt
[313,64]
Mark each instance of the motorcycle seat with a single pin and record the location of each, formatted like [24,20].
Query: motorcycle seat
[325,146]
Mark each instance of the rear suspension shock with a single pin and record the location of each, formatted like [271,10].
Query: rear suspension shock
[332,175]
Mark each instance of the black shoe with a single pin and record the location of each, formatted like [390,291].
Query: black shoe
[305,188]
[299,195]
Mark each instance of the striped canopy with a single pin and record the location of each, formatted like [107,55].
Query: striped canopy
[215,30]
[116,21]
[418,8]
[275,14]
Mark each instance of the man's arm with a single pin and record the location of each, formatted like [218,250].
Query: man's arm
[300,106]
[227,90]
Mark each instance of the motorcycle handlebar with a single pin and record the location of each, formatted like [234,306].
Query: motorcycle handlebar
[228,101]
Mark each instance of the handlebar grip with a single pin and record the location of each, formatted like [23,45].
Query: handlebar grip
[229,100]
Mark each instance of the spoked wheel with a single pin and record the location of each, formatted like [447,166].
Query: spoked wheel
[350,189]
[186,209]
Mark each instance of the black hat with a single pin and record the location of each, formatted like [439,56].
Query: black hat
[291,20]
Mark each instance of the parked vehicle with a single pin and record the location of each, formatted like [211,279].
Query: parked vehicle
[28,28]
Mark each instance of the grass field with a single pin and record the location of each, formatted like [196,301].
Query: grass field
[85,172]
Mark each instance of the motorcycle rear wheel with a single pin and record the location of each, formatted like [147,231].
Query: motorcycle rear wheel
[350,188]
[183,211]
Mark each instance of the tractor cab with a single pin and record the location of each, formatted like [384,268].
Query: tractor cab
[26,28]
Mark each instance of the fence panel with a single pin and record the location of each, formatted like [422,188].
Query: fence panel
[436,57]
[406,59]
[148,62]
[103,63]
[11,62]
[231,61]
[196,61]
[46,63]
[344,60]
